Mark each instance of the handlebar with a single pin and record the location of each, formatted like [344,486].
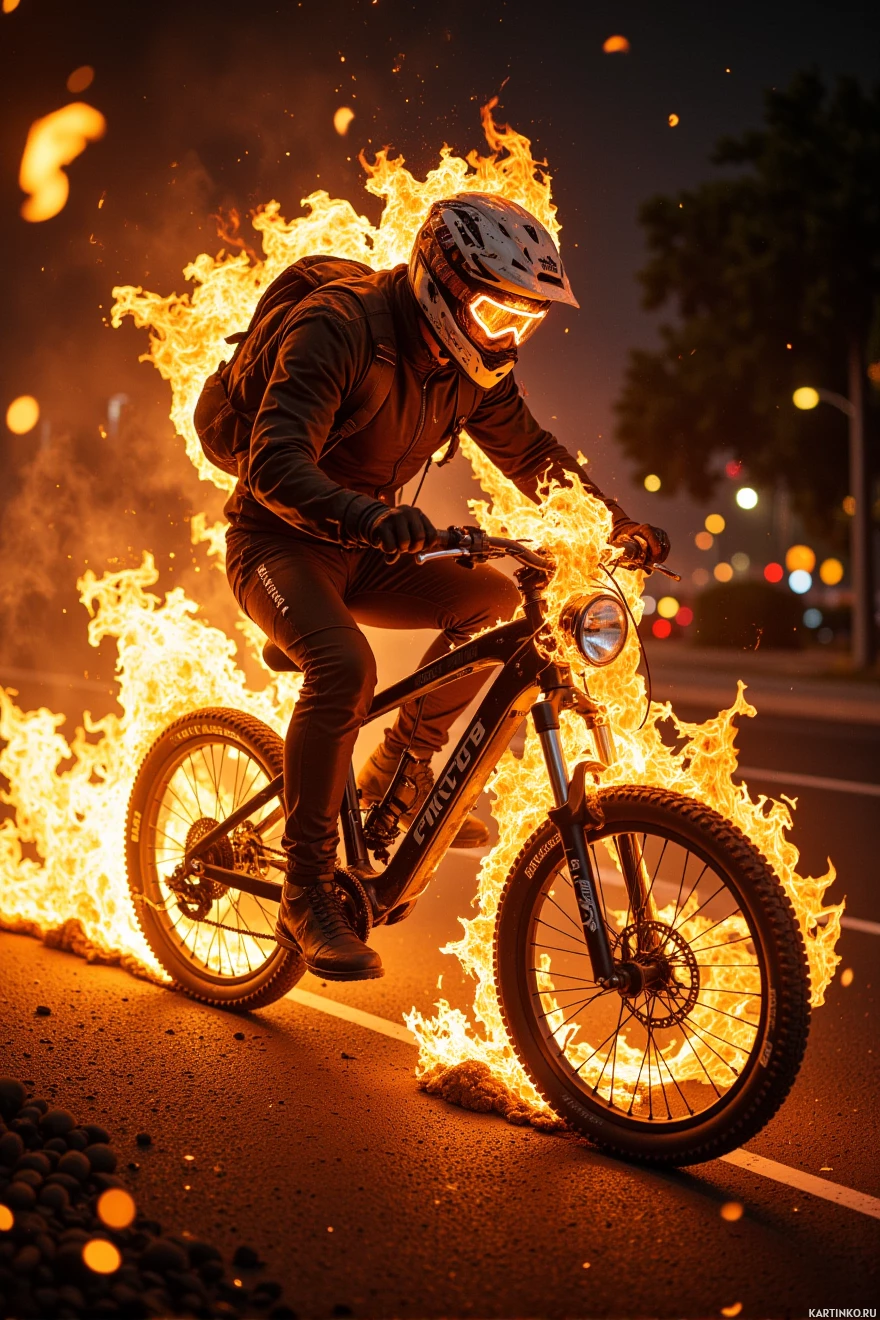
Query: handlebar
[474,544]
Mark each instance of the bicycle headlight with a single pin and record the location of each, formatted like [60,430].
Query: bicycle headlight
[597,625]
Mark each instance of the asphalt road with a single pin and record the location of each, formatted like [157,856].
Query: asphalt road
[313,1144]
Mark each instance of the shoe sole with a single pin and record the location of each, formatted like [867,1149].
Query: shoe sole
[369,974]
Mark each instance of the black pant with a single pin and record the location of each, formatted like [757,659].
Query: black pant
[308,597]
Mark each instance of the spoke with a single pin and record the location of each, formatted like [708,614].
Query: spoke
[674,1082]
[614,1053]
[556,949]
[698,1032]
[209,766]
[605,1041]
[691,915]
[723,945]
[187,820]
[687,1039]
[716,990]
[733,1017]
[565,1007]
[691,890]
[656,871]
[564,933]
[632,1098]
[567,915]
[568,976]
[193,782]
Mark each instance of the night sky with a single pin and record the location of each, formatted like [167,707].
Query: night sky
[224,105]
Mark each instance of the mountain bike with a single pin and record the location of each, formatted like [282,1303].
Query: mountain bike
[651,974]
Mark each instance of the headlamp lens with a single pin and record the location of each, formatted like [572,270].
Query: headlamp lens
[598,626]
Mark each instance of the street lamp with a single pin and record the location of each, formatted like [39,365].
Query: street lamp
[861,549]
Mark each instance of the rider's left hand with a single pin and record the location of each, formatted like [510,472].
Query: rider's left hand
[655,538]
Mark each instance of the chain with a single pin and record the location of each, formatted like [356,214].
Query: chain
[235,930]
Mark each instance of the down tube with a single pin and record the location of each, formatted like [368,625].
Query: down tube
[460,783]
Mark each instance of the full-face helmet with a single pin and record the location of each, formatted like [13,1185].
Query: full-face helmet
[484,272]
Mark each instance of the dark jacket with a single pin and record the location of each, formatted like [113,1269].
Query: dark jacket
[291,482]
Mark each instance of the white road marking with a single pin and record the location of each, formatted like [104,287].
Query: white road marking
[805,1182]
[811,781]
[743,1159]
[859,923]
[396,1030]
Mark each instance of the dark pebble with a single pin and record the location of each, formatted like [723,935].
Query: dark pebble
[104,1307]
[78,1139]
[225,1310]
[212,1271]
[27,1130]
[162,1256]
[340,1310]
[57,1144]
[19,1196]
[57,1122]
[200,1252]
[104,1180]
[29,1176]
[97,1134]
[68,1260]
[47,1300]
[65,1180]
[75,1164]
[238,1035]
[283,1312]
[11,1149]
[54,1197]
[144,1139]
[31,1112]
[70,1296]
[35,1159]
[40,1104]
[26,1260]
[43,1010]
[101,1158]
[266,1291]
[247,1258]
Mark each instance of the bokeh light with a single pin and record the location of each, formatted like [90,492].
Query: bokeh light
[81,78]
[342,119]
[116,1208]
[700,577]
[805,398]
[673,120]
[746,497]
[650,604]
[831,572]
[723,572]
[800,581]
[22,414]
[704,540]
[101,1256]
[661,628]
[9,5]
[667,607]
[812,618]
[731,1211]
[615,45]
[715,524]
[800,556]
[53,142]
[733,468]
[685,617]
[848,504]
[740,561]
[774,572]
[6,1220]
[652,482]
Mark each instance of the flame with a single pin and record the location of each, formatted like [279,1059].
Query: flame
[53,141]
[61,856]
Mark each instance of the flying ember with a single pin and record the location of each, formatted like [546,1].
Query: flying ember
[171,661]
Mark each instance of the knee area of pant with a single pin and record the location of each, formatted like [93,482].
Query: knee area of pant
[343,665]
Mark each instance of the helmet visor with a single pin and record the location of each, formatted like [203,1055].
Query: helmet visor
[501,321]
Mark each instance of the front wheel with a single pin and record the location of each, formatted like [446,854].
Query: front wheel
[697,1060]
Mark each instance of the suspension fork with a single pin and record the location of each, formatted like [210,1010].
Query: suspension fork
[570,823]
[632,861]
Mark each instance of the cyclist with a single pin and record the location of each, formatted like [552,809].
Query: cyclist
[317,544]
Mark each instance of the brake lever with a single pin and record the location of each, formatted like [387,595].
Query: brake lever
[424,555]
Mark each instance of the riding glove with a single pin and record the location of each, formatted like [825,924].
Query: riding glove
[399,531]
[655,538]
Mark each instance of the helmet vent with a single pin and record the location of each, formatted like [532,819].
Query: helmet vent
[483,269]
[532,233]
[549,279]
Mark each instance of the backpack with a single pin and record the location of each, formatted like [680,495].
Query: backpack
[230,398]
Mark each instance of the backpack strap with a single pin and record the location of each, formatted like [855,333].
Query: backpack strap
[467,397]
[370,394]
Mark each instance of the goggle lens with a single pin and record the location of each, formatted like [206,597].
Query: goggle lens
[497,320]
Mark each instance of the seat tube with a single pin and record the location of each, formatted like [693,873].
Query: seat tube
[356,854]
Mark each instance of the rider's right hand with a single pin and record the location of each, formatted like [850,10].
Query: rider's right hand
[401,531]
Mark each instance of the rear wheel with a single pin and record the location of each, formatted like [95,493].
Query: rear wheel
[216,942]
[703,1047]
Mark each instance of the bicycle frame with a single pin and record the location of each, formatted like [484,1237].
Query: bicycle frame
[525,674]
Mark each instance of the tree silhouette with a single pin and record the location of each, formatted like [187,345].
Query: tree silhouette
[774,274]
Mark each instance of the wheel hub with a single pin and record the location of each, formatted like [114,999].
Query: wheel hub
[659,972]
[196,893]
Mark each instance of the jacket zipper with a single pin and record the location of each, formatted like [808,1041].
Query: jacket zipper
[412,444]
